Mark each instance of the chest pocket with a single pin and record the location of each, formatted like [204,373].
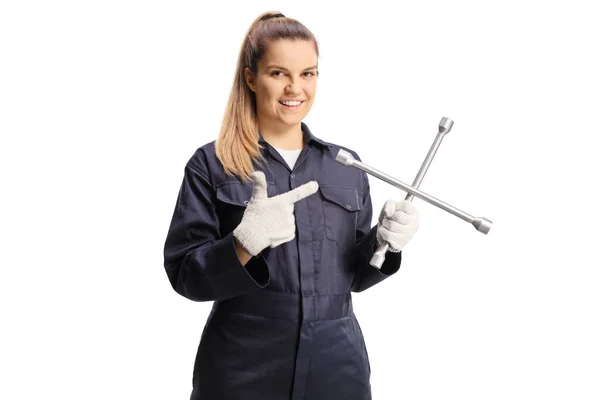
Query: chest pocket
[233,197]
[340,210]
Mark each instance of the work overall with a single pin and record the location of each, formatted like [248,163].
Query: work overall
[282,326]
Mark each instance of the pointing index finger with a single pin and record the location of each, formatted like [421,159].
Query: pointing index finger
[301,192]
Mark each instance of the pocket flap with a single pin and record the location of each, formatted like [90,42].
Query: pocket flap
[344,196]
[239,194]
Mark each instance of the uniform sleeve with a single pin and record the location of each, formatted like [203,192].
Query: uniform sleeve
[366,238]
[200,264]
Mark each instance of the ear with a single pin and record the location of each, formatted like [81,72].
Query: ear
[250,80]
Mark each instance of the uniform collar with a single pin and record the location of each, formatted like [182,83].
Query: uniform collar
[308,138]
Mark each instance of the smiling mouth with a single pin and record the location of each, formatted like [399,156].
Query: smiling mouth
[291,104]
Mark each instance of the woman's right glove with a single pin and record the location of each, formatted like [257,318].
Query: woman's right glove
[269,221]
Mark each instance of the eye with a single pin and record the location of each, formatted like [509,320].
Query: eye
[308,72]
[276,72]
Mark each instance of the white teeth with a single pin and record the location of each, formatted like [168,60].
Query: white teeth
[290,103]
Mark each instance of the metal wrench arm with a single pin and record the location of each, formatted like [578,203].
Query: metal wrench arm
[444,127]
[481,224]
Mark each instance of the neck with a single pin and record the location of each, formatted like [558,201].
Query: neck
[285,137]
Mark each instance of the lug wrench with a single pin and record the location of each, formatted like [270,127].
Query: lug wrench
[482,224]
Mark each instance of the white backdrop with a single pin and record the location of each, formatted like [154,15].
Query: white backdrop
[103,103]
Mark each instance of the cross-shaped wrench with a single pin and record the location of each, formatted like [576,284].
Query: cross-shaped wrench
[481,224]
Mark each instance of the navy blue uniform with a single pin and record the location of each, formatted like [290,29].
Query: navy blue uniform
[282,326]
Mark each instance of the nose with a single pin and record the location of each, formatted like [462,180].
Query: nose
[292,87]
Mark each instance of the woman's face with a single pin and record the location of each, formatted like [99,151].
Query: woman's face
[287,71]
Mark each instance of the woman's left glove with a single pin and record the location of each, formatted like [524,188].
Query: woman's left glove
[398,223]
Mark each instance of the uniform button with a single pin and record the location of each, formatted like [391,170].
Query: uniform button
[246,202]
[293,176]
[348,206]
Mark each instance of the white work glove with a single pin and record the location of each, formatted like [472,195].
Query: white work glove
[269,221]
[398,223]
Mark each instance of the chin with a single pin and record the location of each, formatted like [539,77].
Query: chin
[290,121]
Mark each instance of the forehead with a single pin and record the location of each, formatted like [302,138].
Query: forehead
[291,54]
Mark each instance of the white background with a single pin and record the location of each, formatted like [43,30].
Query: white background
[103,103]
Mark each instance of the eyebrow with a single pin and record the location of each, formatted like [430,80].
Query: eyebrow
[285,69]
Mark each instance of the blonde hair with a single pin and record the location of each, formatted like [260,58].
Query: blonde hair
[237,146]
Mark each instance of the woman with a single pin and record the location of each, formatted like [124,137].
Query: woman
[277,233]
